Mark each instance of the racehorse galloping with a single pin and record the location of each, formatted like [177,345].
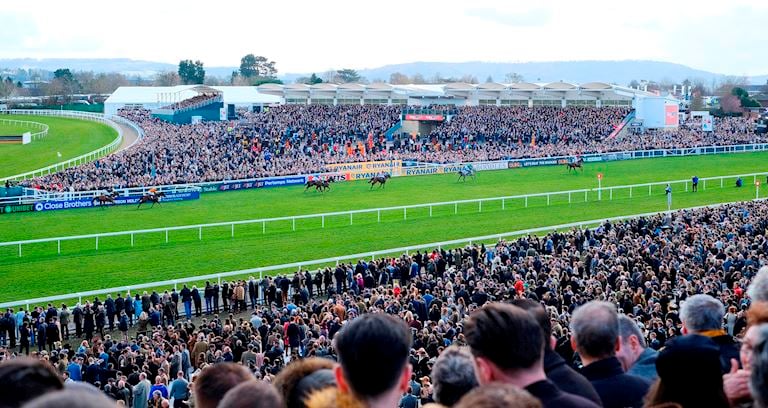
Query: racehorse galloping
[463,173]
[379,179]
[579,164]
[319,184]
[153,199]
[104,199]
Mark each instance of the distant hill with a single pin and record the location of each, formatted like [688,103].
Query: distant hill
[618,72]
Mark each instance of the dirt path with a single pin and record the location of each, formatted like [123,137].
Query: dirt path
[129,136]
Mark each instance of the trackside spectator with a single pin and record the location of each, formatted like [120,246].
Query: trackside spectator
[595,327]
[453,375]
[498,395]
[703,314]
[214,382]
[252,394]
[635,356]
[508,347]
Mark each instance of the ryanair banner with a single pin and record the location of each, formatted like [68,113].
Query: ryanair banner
[366,170]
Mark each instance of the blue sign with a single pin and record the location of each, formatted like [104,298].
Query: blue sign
[123,200]
[260,183]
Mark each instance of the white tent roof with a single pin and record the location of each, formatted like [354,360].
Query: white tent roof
[238,95]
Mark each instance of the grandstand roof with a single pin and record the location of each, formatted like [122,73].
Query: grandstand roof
[238,95]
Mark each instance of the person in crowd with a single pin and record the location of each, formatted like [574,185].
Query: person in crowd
[214,382]
[24,379]
[252,394]
[371,340]
[299,379]
[689,374]
[498,395]
[453,374]
[555,367]
[635,356]
[508,347]
[758,380]
[703,314]
[595,328]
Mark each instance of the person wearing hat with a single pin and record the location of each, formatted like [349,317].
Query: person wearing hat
[689,374]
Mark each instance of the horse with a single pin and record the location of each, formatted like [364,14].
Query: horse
[579,164]
[319,184]
[104,199]
[379,179]
[148,198]
[463,173]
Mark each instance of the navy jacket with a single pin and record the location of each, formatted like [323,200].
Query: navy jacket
[616,388]
[566,378]
[553,397]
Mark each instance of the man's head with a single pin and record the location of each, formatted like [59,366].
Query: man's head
[758,288]
[632,342]
[216,380]
[700,313]
[373,353]
[506,342]
[595,327]
[538,312]
[23,379]
[252,394]
[453,375]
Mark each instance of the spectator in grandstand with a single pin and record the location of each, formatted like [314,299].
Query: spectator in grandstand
[635,356]
[689,374]
[215,380]
[758,288]
[703,314]
[371,340]
[454,375]
[508,347]
[252,394]
[595,328]
[555,367]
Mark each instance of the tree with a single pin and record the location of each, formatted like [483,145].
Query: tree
[264,80]
[257,66]
[513,78]
[63,74]
[7,88]
[418,79]
[191,72]
[489,79]
[167,79]
[310,80]
[63,84]
[347,75]
[744,98]
[396,78]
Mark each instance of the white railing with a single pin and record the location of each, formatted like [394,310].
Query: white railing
[85,158]
[633,189]
[37,135]
[325,261]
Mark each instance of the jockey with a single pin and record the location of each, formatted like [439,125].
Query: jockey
[152,193]
[468,168]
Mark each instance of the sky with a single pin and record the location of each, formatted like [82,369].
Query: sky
[313,36]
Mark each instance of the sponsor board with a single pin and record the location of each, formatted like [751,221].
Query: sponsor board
[124,200]
[392,166]
[414,116]
[15,208]
[498,165]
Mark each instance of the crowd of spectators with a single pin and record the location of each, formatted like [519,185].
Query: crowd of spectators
[628,311]
[299,139]
[194,101]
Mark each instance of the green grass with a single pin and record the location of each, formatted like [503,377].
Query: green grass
[41,271]
[70,137]
[13,129]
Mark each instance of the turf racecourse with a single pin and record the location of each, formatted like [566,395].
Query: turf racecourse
[41,271]
[70,137]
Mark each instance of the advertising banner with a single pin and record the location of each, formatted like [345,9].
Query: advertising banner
[435,118]
[366,170]
[259,183]
[124,200]
[15,208]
